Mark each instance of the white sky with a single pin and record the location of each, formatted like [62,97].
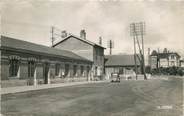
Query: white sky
[30,20]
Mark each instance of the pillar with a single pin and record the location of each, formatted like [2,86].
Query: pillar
[89,75]
[48,77]
[60,72]
[35,75]
[78,71]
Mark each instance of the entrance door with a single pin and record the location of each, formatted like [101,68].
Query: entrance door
[45,73]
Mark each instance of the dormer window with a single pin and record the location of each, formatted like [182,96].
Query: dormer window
[172,56]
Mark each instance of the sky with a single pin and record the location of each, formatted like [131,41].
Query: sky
[31,20]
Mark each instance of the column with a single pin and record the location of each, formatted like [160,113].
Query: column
[78,71]
[35,74]
[92,73]
[60,71]
[71,70]
[85,72]
[76,75]
[48,77]
[89,75]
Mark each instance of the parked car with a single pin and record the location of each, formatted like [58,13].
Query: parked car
[115,77]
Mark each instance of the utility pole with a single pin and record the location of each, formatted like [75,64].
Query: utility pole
[110,45]
[100,40]
[52,35]
[138,30]
[149,63]
[135,57]
[142,31]
[57,34]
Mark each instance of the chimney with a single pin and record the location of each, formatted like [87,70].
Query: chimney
[100,40]
[165,50]
[83,34]
[158,50]
[64,34]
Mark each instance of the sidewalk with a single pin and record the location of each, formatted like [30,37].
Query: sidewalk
[46,86]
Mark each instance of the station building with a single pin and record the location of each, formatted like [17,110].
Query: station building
[86,49]
[24,63]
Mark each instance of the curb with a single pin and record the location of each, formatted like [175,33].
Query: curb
[40,87]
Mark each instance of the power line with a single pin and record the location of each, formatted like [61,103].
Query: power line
[55,32]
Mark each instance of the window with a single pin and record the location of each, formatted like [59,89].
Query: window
[74,70]
[14,67]
[66,69]
[88,69]
[57,68]
[97,53]
[95,71]
[31,68]
[172,56]
[82,70]
[121,70]
[172,63]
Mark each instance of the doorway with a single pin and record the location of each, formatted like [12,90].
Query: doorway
[45,73]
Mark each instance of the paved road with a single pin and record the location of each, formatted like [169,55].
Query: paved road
[156,97]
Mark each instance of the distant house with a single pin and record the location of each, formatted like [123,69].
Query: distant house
[24,63]
[120,64]
[84,48]
[182,63]
[164,59]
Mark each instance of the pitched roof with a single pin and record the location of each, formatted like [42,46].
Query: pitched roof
[7,42]
[120,60]
[84,40]
[164,55]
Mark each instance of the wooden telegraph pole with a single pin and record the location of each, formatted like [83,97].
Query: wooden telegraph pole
[142,31]
[100,40]
[138,30]
[52,35]
[110,45]
[135,57]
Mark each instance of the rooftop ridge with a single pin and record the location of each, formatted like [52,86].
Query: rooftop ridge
[7,42]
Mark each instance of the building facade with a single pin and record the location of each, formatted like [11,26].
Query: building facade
[164,59]
[121,64]
[24,63]
[87,49]
[182,63]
